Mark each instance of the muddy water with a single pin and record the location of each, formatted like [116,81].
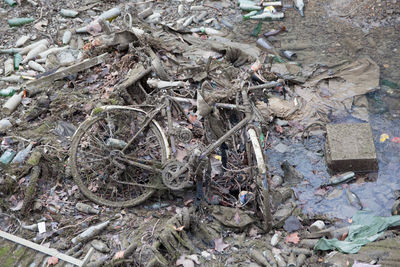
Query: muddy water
[332,31]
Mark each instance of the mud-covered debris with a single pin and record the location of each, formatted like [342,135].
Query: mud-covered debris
[11,105]
[82,207]
[4,125]
[231,217]
[90,232]
[259,258]
[317,226]
[100,246]
[23,154]
[65,129]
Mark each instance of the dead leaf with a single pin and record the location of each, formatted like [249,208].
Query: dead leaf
[94,28]
[343,237]
[253,232]
[178,228]
[237,217]
[18,206]
[320,192]
[40,26]
[184,262]
[278,128]
[220,245]
[119,255]
[180,154]
[52,261]
[293,238]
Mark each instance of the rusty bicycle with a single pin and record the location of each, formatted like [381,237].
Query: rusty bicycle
[121,155]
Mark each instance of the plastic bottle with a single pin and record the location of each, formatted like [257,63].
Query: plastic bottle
[23,154]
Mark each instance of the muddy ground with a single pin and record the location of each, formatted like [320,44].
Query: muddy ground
[330,32]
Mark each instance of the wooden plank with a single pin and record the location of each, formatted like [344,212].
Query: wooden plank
[49,251]
[86,64]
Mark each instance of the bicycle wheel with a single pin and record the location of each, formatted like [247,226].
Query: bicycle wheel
[104,171]
[261,179]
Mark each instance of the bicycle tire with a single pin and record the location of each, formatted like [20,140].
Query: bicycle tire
[264,197]
[135,185]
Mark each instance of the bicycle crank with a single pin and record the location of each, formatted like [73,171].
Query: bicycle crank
[170,177]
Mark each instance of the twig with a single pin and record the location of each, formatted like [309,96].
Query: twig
[13,217]
[152,232]
[75,225]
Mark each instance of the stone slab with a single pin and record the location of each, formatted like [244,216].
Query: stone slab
[350,147]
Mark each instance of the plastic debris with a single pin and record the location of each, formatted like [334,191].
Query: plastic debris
[396,140]
[383,137]
[69,13]
[365,228]
[300,6]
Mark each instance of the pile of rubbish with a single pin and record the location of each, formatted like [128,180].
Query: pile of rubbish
[130,56]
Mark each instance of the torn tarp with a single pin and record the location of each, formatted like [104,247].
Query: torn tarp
[365,228]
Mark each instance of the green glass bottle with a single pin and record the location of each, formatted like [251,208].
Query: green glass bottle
[16,22]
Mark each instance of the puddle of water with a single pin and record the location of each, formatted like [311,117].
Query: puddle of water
[376,194]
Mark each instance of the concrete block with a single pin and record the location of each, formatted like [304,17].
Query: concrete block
[350,147]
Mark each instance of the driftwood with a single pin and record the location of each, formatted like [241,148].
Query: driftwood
[49,251]
[86,64]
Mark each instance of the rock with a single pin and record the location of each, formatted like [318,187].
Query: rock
[91,13]
[291,175]
[281,122]
[317,226]
[292,224]
[275,239]
[281,148]
[206,255]
[277,181]
[65,58]
[283,212]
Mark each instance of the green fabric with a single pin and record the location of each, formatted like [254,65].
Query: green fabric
[365,228]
